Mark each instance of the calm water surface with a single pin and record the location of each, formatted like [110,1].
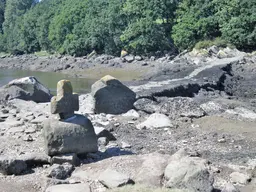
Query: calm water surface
[48,79]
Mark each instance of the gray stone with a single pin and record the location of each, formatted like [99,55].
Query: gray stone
[11,166]
[125,145]
[240,178]
[28,138]
[213,49]
[103,141]
[155,120]
[38,120]
[74,135]
[111,96]
[129,58]
[131,113]
[190,173]
[15,130]
[138,58]
[212,108]
[69,188]
[31,129]
[112,179]
[229,188]
[86,103]
[60,171]
[152,170]
[65,103]
[5,111]
[193,114]
[222,54]
[67,158]
[27,88]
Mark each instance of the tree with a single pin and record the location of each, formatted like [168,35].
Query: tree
[149,24]
[2,9]
[14,11]
[237,20]
[195,21]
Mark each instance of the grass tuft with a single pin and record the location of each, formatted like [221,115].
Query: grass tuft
[142,188]
[217,42]
[42,54]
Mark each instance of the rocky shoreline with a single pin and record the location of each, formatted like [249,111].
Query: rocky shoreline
[205,100]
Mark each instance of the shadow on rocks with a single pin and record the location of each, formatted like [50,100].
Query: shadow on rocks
[99,156]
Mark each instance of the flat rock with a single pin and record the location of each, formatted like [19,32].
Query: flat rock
[229,188]
[156,120]
[212,108]
[15,130]
[240,178]
[38,120]
[69,188]
[129,58]
[67,158]
[112,179]
[60,171]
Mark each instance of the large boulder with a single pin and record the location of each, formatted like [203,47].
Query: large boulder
[111,96]
[73,135]
[152,170]
[27,88]
[188,173]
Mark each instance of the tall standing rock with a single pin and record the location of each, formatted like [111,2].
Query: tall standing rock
[71,133]
[111,96]
[65,103]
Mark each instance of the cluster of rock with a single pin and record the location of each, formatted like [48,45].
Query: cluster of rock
[71,133]
[93,149]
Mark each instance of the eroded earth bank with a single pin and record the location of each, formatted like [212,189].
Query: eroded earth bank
[190,127]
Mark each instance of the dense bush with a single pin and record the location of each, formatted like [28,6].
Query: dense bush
[78,27]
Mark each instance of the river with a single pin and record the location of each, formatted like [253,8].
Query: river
[49,79]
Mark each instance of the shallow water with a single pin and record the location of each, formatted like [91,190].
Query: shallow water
[48,79]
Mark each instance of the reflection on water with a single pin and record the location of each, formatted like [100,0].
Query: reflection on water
[49,79]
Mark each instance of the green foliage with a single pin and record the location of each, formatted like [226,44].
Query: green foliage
[237,20]
[2,9]
[2,43]
[83,26]
[142,188]
[149,25]
[195,21]
[13,25]
[77,27]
